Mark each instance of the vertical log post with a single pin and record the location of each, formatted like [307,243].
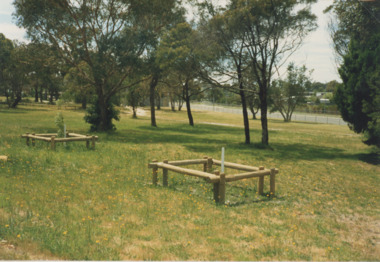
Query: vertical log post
[87,141]
[272,181]
[222,189]
[209,164]
[27,139]
[261,182]
[93,142]
[205,164]
[52,143]
[154,173]
[165,175]
[216,188]
[33,140]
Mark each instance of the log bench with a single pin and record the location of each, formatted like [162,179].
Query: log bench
[53,139]
[218,179]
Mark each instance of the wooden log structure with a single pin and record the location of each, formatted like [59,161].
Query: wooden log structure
[216,178]
[4,158]
[52,139]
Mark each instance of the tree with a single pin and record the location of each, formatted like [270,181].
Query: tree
[359,96]
[228,47]
[15,75]
[178,53]
[110,36]
[6,47]
[356,38]
[287,94]
[76,87]
[275,29]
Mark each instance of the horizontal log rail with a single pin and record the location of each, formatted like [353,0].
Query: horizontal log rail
[218,179]
[235,166]
[189,172]
[187,162]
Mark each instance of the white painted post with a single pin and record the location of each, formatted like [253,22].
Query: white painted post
[222,165]
[64,134]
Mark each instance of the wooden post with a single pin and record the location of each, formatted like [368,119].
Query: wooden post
[205,164]
[272,181]
[87,141]
[165,175]
[154,173]
[209,164]
[216,188]
[93,142]
[33,140]
[52,143]
[27,139]
[222,189]
[261,183]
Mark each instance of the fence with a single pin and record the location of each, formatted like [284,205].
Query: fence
[218,179]
[296,116]
[52,139]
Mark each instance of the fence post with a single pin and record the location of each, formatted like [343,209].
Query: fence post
[273,181]
[52,143]
[27,139]
[209,164]
[205,164]
[33,140]
[93,142]
[261,182]
[216,188]
[222,189]
[154,173]
[165,175]
[87,141]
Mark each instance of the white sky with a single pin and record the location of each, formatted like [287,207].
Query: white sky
[316,52]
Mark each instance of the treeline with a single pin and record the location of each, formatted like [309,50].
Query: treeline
[96,51]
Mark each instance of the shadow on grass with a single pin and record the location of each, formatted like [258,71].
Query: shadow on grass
[208,139]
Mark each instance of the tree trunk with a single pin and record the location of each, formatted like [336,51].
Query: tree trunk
[134,112]
[104,121]
[17,100]
[36,93]
[245,115]
[152,90]
[264,112]
[187,99]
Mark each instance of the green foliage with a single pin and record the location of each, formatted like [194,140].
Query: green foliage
[60,123]
[359,95]
[287,94]
[94,118]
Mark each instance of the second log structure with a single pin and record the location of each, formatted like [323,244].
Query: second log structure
[53,139]
[218,179]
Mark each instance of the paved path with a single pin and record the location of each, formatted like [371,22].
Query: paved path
[296,116]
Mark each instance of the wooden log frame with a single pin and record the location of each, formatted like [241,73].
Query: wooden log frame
[218,179]
[52,139]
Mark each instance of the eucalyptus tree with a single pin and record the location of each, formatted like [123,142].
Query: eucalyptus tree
[226,42]
[110,36]
[274,30]
[15,75]
[179,53]
[6,47]
[287,94]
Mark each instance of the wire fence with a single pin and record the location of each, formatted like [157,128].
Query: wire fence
[306,117]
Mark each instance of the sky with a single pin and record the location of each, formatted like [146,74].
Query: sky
[316,53]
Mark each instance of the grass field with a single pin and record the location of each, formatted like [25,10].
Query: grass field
[81,204]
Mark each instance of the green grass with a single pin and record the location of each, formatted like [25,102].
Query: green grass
[81,204]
